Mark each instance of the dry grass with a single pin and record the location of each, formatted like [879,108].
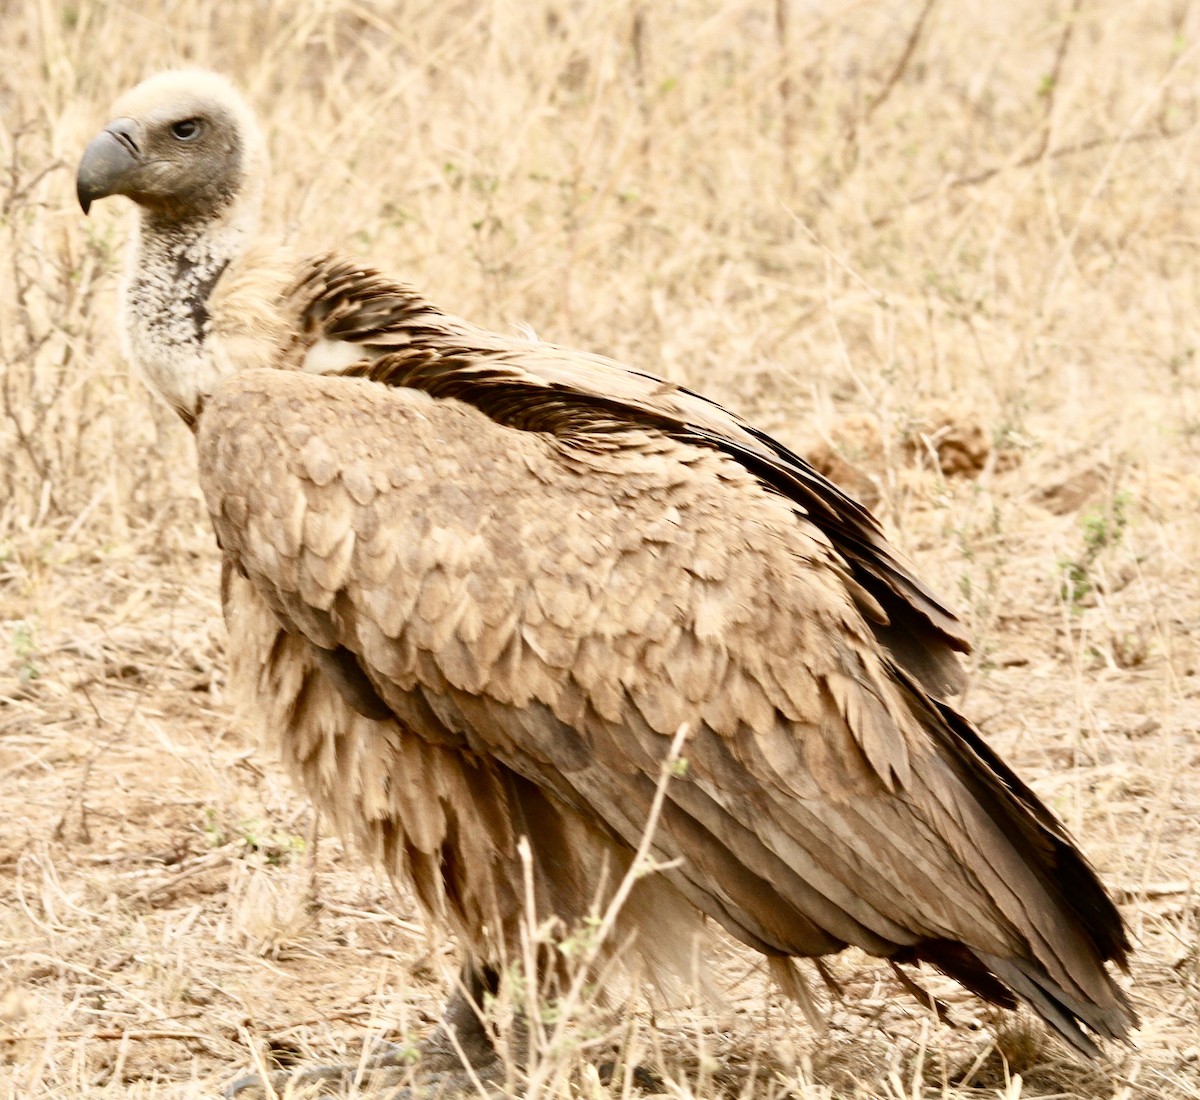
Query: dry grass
[877,228]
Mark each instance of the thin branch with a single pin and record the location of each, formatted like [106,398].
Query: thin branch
[640,866]
[902,63]
[1051,81]
[787,114]
[211,1037]
[1028,161]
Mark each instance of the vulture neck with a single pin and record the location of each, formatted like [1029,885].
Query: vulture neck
[172,270]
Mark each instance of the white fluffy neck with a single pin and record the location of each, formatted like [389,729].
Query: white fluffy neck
[171,271]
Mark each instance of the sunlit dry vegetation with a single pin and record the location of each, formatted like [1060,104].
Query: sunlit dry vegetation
[949,250]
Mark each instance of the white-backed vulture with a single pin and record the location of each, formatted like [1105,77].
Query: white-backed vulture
[474,585]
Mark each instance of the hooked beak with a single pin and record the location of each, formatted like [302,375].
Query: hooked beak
[107,162]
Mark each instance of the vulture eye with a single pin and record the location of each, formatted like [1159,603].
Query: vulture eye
[186,130]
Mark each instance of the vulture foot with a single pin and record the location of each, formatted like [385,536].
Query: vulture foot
[348,1083]
[391,1072]
[436,1067]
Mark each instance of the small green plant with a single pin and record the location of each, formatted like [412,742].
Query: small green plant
[253,835]
[582,939]
[25,650]
[273,845]
[214,832]
[1103,528]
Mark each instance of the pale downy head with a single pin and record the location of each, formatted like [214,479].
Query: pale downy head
[183,145]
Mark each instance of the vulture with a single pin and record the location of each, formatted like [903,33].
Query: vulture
[477,586]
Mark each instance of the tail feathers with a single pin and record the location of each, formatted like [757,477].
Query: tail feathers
[1061,1011]
[959,962]
[1019,812]
[996,980]
[1071,926]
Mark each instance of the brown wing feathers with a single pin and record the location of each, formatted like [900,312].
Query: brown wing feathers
[814,815]
[917,628]
[540,388]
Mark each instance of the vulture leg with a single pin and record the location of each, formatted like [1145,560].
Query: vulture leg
[461,1029]
[395,1072]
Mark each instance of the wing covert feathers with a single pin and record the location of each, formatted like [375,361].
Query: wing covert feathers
[529,585]
[406,341]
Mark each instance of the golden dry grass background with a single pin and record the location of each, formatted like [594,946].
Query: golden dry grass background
[949,249]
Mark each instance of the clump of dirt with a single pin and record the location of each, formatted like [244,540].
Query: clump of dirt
[1070,493]
[951,436]
[852,457]
[857,456]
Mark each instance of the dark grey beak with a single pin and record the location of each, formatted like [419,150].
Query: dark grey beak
[107,162]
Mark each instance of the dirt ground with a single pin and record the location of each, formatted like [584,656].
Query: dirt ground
[950,256]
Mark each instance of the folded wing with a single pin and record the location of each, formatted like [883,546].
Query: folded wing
[342,304]
[557,583]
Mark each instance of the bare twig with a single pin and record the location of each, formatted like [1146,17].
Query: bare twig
[207,862]
[902,63]
[1126,892]
[1063,152]
[1051,81]
[570,1003]
[787,120]
[212,1037]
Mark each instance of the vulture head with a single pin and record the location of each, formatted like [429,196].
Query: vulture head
[183,145]
[186,148]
